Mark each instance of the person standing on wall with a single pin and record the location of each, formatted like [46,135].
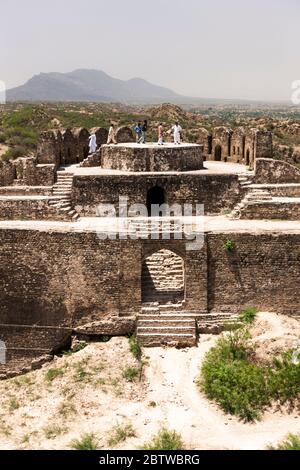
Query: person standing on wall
[160,131]
[111,135]
[93,143]
[144,132]
[138,131]
[177,130]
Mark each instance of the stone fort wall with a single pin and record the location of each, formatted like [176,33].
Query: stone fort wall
[74,280]
[238,146]
[216,192]
[70,146]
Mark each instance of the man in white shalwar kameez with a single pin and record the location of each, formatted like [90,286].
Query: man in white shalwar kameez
[93,143]
[177,129]
[111,135]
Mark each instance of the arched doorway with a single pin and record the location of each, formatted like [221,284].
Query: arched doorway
[218,153]
[248,157]
[163,278]
[155,197]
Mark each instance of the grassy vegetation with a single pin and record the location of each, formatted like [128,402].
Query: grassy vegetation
[248,315]
[20,131]
[292,442]
[134,347]
[241,387]
[165,440]
[229,245]
[13,404]
[85,442]
[66,409]
[51,432]
[52,374]
[120,433]
[130,373]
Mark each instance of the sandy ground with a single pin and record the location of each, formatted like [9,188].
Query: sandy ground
[91,396]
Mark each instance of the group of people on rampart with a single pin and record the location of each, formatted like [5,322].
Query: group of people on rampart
[140,129]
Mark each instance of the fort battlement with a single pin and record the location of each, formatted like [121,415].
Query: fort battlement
[64,272]
[238,146]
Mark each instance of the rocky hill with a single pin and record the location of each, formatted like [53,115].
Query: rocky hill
[89,86]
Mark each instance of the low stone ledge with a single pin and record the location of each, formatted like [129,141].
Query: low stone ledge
[268,170]
[110,327]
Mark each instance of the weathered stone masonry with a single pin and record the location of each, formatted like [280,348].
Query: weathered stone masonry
[73,280]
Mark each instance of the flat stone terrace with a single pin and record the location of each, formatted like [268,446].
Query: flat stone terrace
[210,168]
[217,224]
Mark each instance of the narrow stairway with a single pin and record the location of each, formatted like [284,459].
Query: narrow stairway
[62,196]
[254,195]
[159,325]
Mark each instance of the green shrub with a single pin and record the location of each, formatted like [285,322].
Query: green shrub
[51,432]
[135,347]
[248,315]
[14,153]
[235,384]
[229,245]
[52,374]
[165,440]
[292,442]
[241,387]
[284,378]
[86,442]
[120,433]
[130,373]
[13,404]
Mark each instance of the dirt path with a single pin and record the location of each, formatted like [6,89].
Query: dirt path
[90,395]
[172,376]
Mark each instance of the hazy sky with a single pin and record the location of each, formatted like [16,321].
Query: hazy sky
[208,48]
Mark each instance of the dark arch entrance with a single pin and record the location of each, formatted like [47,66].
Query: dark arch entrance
[218,153]
[248,157]
[155,196]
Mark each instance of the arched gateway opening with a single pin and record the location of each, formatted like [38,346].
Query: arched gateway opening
[218,153]
[248,157]
[163,278]
[155,197]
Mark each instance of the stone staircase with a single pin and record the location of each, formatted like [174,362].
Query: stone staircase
[62,196]
[253,196]
[159,325]
[245,179]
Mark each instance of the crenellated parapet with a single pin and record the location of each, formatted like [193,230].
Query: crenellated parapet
[70,146]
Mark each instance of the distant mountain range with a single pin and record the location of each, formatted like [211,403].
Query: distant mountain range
[85,85]
[90,85]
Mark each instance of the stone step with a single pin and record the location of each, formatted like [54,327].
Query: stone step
[157,323]
[62,194]
[164,339]
[166,317]
[166,329]
[65,210]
